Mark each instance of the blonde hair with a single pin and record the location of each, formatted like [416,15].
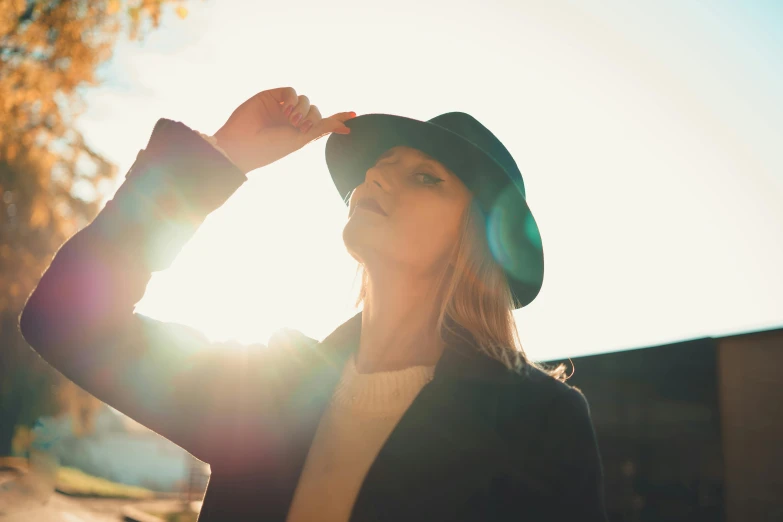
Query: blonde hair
[477,302]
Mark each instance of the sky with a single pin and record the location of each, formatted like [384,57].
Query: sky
[647,135]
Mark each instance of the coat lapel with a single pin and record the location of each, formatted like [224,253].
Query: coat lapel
[320,368]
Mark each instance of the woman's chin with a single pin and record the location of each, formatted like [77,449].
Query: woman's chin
[359,240]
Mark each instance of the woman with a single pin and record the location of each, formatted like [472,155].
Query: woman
[421,407]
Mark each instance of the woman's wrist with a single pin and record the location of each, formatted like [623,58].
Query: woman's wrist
[212,140]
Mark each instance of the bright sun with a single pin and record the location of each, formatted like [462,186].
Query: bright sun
[271,257]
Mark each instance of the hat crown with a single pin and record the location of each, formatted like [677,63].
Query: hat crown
[472,130]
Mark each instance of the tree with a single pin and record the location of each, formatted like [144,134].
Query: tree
[49,176]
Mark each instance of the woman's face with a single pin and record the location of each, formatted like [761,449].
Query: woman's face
[415,219]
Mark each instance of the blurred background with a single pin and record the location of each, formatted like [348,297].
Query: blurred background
[649,139]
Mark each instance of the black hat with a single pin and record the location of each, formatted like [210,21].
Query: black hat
[477,157]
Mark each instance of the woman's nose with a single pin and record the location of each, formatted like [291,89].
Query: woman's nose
[378,177]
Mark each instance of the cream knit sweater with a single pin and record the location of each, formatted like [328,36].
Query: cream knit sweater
[363,411]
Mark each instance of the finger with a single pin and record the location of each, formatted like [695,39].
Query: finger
[334,123]
[344,116]
[310,119]
[301,109]
[341,118]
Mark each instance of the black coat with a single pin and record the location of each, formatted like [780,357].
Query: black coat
[478,443]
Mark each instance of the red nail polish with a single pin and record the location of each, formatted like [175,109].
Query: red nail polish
[296,119]
[288,110]
[306,126]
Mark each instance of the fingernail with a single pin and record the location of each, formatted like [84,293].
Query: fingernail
[306,126]
[353,114]
[296,119]
[346,130]
[288,110]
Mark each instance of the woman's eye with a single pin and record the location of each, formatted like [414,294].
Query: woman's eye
[427,179]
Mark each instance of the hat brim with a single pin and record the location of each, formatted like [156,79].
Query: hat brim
[512,231]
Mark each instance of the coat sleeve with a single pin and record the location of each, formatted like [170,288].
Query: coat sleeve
[203,396]
[579,482]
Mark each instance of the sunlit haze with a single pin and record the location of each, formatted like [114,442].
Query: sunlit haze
[648,136]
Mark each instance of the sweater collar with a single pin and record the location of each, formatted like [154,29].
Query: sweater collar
[460,360]
[379,394]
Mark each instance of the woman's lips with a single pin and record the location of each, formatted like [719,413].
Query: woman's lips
[371,205]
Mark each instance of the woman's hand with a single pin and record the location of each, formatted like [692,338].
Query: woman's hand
[273,124]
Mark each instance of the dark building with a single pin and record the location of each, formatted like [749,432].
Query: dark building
[690,431]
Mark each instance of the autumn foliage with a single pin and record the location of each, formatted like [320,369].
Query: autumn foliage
[50,52]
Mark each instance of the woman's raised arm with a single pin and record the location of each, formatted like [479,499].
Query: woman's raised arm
[203,396]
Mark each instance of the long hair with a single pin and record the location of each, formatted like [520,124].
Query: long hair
[477,304]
